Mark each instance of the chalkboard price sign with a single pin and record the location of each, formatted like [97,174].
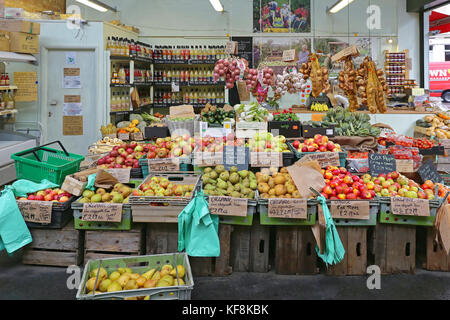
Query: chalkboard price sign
[381,163]
[245,49]
[428,172]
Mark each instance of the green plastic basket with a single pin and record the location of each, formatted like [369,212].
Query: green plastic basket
[140,264]
[41,163]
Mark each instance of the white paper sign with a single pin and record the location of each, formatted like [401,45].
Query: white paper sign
[73,109]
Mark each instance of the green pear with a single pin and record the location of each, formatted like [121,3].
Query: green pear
[213,175]
[233,169]
[221,184]
[220,168]
[243,173]
[224,175]
[234,178]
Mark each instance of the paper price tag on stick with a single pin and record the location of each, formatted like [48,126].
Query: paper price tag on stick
[228,206]
[102,212]
[288,208]
[36,211]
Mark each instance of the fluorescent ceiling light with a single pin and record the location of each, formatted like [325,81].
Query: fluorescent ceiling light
[217,5]
[338,6]
[97,5]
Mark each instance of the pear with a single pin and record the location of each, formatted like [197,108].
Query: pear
[205,178]
[167,278]
[148,275]
[115,286]
[102,274]
[150,283]
[233,169]
[253,185]
[88,194]
[181,271]
[141,281]
[104,285]
[221,184]
[100,191]
[237,187]
[178,282]
[220,168]
[156,276]
[230,190]
[213,175]
[235,194]
[224,175]
[84,200]
[91,283]
[243,173]
[234,178]
[117,186]
[106,197]
[246,183]
[135,276]
[123,279]
[207,170]
[114,275]
[117,198]
[96,198]
[131,285]
[165,270]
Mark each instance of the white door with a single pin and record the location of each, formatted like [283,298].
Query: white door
[75,141]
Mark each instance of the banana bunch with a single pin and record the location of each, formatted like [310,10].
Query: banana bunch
[322,107]
[104,145]
[109,129]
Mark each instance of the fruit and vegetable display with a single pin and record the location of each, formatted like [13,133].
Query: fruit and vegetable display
[125,279]
[215,115]
[266,142]
[349,123]
[397,185]
[436,125]
[230,70]
[104,145]
[54,195]
[372,86]
[429,186]
[153,120]
[407,142]
[317,144]
[162,187]
[274,184]
[347,82]
[233,183]
[108,129]
[171,147]
[342,185]
[285,115]
[126,155]
[252,112]
[210,144]
[118,194]
[318,75]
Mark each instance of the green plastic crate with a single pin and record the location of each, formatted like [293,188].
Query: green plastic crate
[54,165]
[140,264]
[298,155]
[264,218]
[79,224]
[387,217]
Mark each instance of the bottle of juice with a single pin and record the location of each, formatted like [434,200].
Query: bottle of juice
[122,76]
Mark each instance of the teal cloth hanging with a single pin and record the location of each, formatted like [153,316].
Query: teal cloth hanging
[334,250]
[198,229]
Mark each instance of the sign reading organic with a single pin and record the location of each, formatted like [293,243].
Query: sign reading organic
[228,206]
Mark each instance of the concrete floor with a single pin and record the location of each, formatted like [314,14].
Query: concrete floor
[19,281]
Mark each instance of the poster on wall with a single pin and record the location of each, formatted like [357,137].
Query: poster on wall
[282,16]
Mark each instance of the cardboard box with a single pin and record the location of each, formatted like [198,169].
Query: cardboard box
[24,42]
[73,186]
[16,25]
[4,40]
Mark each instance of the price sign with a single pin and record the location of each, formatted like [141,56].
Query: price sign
[358,210]
[163,165]
[289,55]
[232,47]
[405,166]
[36,211]
[410,207]
[122,175]
[266,159]
[324,159]
[428,172]
[228,206]
[102,212]
[288,208]
[123,136]
[381,163]
[137,136]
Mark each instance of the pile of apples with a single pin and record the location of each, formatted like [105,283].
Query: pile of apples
[171,147]
[118,194]
[342,185]
[429,187]
[123,156]
[210,144]
[396,185]
[266,142]
[161,187]
[318,144]
[55,195]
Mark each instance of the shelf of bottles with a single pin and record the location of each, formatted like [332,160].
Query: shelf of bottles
[7,101]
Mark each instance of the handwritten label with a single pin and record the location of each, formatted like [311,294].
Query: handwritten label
[266,159]
[405,165]
[428,172]
[137,136]
[123,136]
[184,111]
[410,207]
[445,143]
[163,165]
[36,211]
[72,99]
[288,208]
[228,206]
[232,47]
[103,212]
[72,125]
[358,210]
[71,72]
[203,159]
[122,175]
[381,163]
[26,83]
[324,159]
[289,55]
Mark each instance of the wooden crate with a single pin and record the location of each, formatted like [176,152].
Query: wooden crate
[250,248]
[107,244]
[437,258]
[395,248]
[295,251]
[163,238]
[54,247]
[354,240]
[217,266]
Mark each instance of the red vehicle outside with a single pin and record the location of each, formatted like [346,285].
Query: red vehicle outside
[440,80]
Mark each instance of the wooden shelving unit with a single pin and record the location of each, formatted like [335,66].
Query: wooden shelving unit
[397,71]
